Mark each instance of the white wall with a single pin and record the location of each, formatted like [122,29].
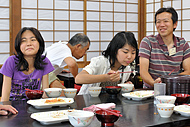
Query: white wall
[183,28]
[62,19]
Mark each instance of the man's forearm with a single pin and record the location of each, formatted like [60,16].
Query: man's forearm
[73,70]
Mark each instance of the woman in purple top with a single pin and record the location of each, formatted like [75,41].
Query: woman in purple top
[26,69]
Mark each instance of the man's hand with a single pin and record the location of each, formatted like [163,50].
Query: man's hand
[158,80]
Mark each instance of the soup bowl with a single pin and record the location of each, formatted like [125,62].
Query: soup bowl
[113,90]
[94,91]
[181,98]
[34,94]
[107,119]
[53,92]
[165,110]
[80,118]
[70,92]
[126,87]
[165,99]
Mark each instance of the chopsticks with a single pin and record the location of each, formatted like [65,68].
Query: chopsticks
[33,90]
[123,72]
[171,72]
[161,75]
[114,113]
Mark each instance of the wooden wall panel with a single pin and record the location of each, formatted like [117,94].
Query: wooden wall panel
[15,22]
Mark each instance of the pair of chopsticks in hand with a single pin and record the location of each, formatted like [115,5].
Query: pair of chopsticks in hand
[123,72]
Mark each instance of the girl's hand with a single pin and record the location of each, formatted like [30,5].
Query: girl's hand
[5,108]
[114,76]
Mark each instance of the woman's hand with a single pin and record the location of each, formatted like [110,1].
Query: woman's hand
[5,108]
[113,76]
[128,82]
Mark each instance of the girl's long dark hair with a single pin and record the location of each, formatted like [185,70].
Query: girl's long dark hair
[118,41]
[21,61]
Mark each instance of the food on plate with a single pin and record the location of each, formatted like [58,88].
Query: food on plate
[71,110]
[183,108]
[60,114]
[55,100]
[57,114]
[141,93]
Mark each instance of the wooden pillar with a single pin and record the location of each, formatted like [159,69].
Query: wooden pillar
[85,28]
[141,20]
[15,22]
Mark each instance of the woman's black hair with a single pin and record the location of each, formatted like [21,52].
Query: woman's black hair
[118,41]
[21,61]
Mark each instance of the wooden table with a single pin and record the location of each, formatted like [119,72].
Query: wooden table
[135,113]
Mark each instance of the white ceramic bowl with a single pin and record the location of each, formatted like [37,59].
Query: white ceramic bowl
[165,99]
[126,87]
[53,92]
[94,91]
[80,118]
[70,92]
[165,110]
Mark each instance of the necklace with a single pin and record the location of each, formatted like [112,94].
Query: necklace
[30,76]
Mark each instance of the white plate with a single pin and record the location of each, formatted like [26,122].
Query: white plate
[51,117]
[139,95]
[40,103]
[184,110]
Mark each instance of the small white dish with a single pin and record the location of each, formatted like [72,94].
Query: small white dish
[70,92]
[94,91]
[47,118]
[183,110]
[51,117]
[139,95]
[40,103]
[165,110]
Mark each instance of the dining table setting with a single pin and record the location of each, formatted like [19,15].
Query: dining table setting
[115,108]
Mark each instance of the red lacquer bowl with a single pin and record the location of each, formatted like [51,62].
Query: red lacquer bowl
[34,94]
[113,89]
[181,98]
[106,118]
